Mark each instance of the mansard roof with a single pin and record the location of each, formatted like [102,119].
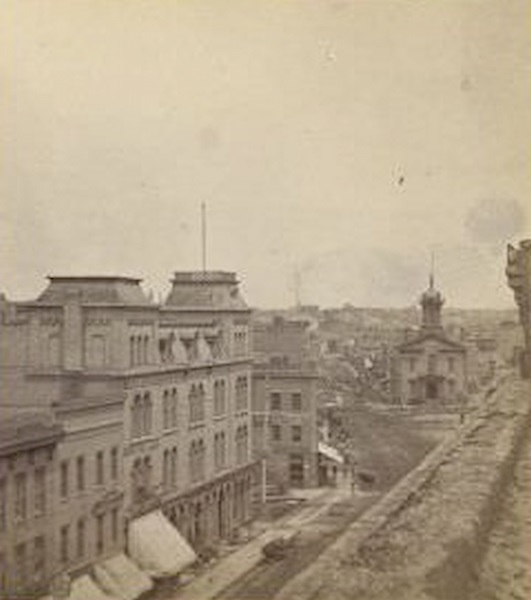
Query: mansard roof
[217,290]
[95,289]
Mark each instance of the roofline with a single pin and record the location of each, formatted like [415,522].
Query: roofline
[93,278]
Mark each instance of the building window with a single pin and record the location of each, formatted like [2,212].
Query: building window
[21,570]
[412,364]
[166,410]
[3,504]
[197,461]
[81,538]
[296,433]
[63,541]
[242,444]
[141,416]
[296,469]
[39,557]
[275,401]
[242,388]
[145,350]
[173,467]
[196,400]
[275,433]
[114,463]
[451,364]
[40,491]
[99,468]
[148,414]
[169,409]
[136,417]
[219,398]
[63,484]
[432,363]
[114,525]
[80,464]
[174,408]
[296,401]
[240,343]
[132,353]
[100,532]
[20,496]
[166,469]
[219,450]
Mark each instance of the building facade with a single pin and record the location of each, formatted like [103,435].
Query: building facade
[28,536]
[429,367]
[285,435]
[153,399]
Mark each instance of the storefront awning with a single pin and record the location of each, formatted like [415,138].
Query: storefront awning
[157,547]
[121,577]
[330,453]
[84,588]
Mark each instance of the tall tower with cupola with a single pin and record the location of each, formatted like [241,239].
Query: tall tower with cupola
[432,302]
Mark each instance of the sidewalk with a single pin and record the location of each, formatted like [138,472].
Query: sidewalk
[209,584]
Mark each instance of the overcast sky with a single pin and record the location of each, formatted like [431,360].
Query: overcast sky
[345,140]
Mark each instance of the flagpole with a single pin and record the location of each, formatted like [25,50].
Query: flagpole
[203,236]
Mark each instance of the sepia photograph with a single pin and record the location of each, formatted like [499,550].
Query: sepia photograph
[265,300]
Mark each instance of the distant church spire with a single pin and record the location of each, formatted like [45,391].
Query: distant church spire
[431,302]
[432,271]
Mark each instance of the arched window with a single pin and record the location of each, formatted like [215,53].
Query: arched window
[166,469]
[173,471]
[136,351]
[192,395]
[219,450]
[147,468]
[242,444]
[148,414]
[219,398]
[201,460]
[165,410]
[192,462]
[241,394]
[145,350]
[173,408]
[201,402]
[136,417]
[132,353]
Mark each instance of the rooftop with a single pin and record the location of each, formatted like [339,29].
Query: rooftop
[94,289]
[217,290]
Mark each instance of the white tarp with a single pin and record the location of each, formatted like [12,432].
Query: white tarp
[330,453]
[157,547]
[121,577]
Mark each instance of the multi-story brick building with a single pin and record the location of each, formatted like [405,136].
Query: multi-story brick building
[285,380]
[429,366]
[154,400]
[28,464]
